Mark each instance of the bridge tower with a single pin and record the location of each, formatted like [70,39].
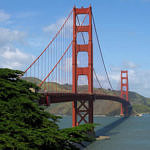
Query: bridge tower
[82,110]
[124,91]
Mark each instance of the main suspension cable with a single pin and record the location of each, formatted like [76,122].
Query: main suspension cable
[101,52]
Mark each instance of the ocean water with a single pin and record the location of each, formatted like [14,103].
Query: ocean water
[131,133]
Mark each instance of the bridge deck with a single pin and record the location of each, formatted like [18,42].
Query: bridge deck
[68,97]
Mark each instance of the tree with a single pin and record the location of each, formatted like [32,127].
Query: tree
[26,126]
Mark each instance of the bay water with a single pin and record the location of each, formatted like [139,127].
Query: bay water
[131,133]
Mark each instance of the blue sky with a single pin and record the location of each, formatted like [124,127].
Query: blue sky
[123,28]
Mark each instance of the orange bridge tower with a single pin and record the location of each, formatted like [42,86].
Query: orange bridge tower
[82,110]
[124,91]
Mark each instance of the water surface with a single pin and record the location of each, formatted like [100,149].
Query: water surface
[132,133]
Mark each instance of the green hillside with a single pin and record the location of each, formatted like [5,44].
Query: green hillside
[140,103]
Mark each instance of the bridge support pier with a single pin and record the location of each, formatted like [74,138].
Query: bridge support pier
[45,100]
[82,111]
[74,113]
[124,110]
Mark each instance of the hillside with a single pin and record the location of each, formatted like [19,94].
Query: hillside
[140,103]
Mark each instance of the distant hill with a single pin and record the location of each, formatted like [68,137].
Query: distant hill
[140,103]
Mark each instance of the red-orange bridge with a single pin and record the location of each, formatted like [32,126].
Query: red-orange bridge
[74,52]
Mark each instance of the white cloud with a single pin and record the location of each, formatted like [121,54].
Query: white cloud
[15,54]
[9,36]
[53,28]
[115,77]
[129,65]
[13,58]
[139,79]
[12,65]
[4,16]
[10,55]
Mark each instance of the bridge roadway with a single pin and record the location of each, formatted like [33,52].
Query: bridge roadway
[68,97]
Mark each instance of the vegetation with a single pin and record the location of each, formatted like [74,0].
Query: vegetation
[140,108]
[24,125]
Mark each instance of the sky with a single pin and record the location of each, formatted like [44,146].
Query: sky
[123,28]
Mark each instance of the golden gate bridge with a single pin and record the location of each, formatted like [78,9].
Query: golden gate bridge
[58,66]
